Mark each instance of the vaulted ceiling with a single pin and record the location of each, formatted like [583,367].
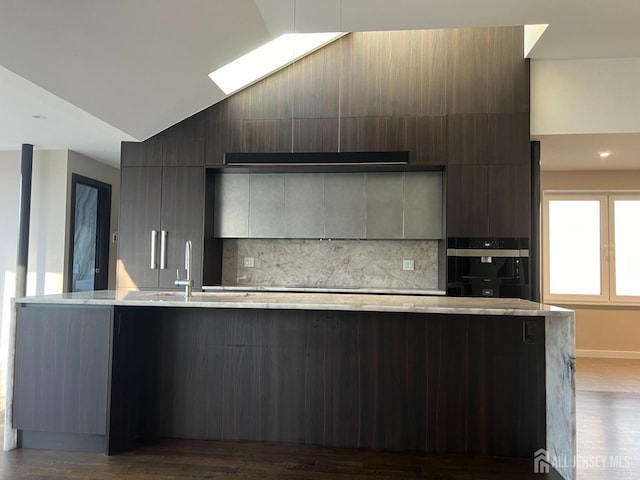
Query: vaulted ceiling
[106,71]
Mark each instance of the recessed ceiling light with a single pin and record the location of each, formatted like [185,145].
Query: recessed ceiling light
[39,117]
[604,154]
[268,58]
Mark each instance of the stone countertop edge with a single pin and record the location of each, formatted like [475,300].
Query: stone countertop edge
[306,301]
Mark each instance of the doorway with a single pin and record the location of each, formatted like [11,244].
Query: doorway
[88,267]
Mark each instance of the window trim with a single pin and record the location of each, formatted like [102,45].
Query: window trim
[607,239]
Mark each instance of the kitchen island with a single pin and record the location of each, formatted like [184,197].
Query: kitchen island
[106,370]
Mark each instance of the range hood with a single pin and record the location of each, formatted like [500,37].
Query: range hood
[316,158]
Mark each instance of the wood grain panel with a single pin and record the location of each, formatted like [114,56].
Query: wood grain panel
[140,188]
[315,83]
[266,135]
[223,136]
[434,71]
[131,154]
[315,134]
[191,129]
[182,153]
[381,74]
[431,140]
[378,134]
[270,98]
[508,200]
[467,191]
[508,89]
[468,139]
[62,369]
[469,72]
[445,384]
[508,139]
[182,216]
[177,397]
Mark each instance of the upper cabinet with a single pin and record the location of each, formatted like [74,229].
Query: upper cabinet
[488,175]
[155,153]
[386,205]
[384,199]
[304,215]
[345,205]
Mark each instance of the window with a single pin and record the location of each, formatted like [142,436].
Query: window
[591,248]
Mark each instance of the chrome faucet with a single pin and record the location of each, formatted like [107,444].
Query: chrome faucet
[187,283]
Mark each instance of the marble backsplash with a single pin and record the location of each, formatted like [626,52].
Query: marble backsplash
[330,263]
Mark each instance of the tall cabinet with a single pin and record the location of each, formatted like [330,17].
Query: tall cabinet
[488,192]
[162,192]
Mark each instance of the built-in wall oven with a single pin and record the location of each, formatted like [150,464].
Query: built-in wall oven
[488,267]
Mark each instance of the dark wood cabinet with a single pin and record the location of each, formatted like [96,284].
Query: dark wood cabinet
[315,134]
[106,377]
[170,201]
[182,217]
[508,201]
[62,369]
[488,191]
[347,379]
[488,201]
[140,200]
[141,154]
[467,201]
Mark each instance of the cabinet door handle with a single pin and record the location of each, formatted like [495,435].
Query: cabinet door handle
[163,250]
[154,246]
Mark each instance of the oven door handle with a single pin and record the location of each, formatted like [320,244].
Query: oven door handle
[487,252]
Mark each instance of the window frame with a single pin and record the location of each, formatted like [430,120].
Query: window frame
[608,294]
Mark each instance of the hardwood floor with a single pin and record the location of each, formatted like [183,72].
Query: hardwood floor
[608,418]
[189,459]
[608,415]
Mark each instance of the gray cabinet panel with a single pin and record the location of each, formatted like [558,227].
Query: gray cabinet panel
[304,205]
[232,206]
[384,204]
[345,205]
[423,205]
[380,205]
[266,206]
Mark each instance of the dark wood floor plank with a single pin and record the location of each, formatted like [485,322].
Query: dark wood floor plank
[193,460]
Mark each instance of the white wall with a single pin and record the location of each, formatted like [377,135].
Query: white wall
[585,96]
[9,191]
[48,218]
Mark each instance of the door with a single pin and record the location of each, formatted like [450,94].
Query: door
[88,267]
[140,200]
[182,220]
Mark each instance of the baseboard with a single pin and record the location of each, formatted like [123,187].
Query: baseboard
[607,354]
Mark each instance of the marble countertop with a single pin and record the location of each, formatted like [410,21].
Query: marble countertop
[305,301]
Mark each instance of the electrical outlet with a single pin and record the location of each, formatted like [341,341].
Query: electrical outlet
[408,265]
[249,262]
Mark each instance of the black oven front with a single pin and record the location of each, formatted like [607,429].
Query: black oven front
[488,267]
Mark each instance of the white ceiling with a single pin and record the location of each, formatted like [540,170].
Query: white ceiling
[106,71]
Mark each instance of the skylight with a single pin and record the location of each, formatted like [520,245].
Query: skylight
[532,34]
[268,58]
